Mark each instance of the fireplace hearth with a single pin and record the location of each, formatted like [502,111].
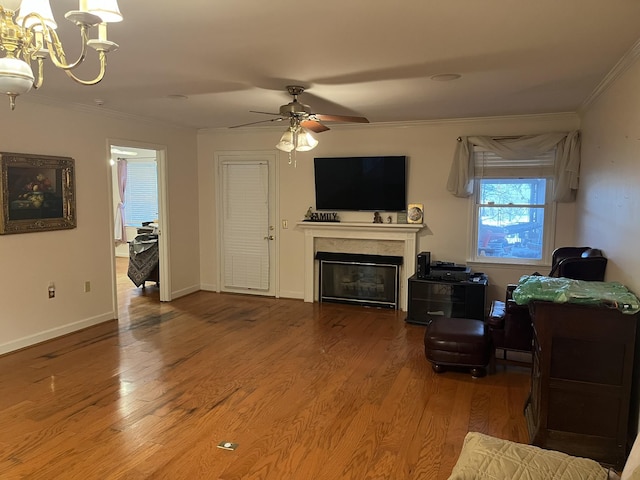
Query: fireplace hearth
[370,280]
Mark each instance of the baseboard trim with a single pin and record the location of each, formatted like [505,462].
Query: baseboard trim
[52,333]
[185,291]
[290,294]
[282,294]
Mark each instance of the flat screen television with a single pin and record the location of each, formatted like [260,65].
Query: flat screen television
[361,183]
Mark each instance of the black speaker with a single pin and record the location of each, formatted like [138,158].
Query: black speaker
[424,265]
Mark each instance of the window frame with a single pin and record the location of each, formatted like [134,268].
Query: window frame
[549,224]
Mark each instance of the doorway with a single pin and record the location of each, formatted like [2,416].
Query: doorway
[139,233]
[246,213]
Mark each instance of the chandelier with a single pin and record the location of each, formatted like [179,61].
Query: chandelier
[31,37]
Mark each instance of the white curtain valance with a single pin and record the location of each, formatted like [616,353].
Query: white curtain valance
[566,164]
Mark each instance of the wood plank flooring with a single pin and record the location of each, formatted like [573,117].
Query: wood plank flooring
[308,391]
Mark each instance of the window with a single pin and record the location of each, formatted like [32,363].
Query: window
[513,215]
[141,193]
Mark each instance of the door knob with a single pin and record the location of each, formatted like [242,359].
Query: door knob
[270,237]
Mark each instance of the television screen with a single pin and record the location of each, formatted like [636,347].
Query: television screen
[361,183]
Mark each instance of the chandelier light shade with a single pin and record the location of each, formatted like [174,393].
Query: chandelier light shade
[40,10]
[30,37]
[107,10]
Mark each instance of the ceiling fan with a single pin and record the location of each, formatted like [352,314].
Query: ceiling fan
[300,114]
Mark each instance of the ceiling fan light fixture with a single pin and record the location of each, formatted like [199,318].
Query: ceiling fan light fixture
[306,141]
[297,138]
[287,140]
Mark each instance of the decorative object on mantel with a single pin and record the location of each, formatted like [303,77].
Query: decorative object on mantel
[389,220]
[32,37]
[309,214]
[312,216]
[415,213]
[402,217]
[37,192]
[376,217]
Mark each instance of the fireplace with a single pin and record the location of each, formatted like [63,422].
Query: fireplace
[371,280]
[367,235]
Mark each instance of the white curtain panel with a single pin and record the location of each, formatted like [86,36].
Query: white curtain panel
[566,164]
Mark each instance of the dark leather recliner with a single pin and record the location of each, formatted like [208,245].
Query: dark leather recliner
[510,323]
[579,263]
[510,327]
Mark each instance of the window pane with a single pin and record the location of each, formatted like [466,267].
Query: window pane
[517,191]
[511,231]
[141,193]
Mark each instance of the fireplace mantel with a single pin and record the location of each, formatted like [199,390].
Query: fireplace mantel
[402,232]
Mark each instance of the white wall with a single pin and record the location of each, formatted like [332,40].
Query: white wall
[429,146]
[30,261]
[608,207]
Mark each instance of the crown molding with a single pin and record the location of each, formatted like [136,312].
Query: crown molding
[628,59]
[39,99]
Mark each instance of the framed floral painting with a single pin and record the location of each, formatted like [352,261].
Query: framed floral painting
[37,192]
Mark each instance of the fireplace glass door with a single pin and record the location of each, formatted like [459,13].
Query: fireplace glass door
[362,283]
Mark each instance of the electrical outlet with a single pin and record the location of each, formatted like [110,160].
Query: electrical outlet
[87,286]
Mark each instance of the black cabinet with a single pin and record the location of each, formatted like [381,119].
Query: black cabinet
[581,380]
[442,298]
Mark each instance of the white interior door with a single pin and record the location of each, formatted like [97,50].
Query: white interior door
[246,221]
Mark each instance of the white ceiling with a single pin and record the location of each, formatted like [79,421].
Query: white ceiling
[371,58]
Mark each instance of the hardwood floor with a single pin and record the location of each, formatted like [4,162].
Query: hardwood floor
[308,391]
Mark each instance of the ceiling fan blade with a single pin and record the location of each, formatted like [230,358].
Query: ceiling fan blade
[340,118]
[314,126]
[259,121]
[265,113]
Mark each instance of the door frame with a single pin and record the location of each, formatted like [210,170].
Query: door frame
[271,157]
[163,217]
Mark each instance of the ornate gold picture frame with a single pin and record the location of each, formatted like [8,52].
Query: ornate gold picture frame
[37,192]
